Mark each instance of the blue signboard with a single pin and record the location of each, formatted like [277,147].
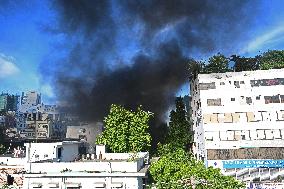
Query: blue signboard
[253,163]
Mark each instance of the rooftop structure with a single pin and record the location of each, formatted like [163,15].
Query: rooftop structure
[87,132]
[238,122]
[60,165]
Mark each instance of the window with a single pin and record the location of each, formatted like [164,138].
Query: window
[248,100]
[233,99]
[206,86]
[275,99]
[214,102]
[267,82]
[272,99]
[267,99]
[282,98]
[237,84]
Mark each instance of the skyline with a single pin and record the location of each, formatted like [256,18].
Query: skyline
[28,43]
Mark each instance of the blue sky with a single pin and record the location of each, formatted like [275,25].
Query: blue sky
[24,44]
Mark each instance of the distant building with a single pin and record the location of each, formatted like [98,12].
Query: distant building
[87,132]
[37,120]
[238,122]
[28,100]
[2,121]
[8,102]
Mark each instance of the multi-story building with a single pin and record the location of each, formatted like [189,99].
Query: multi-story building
[37,120]
[60,165]
[31,98]
[238,122]
[8,102]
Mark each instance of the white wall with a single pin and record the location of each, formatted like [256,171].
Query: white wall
[49,151]
[119,166]
[266,116]
[12,161]
[88,182]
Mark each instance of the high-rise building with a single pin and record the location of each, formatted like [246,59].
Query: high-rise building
[3,102]
[238,122]
[31,98]
[8,102]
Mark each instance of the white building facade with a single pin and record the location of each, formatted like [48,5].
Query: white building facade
[60,165]
[239,122]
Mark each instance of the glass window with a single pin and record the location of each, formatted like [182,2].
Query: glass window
[214,102]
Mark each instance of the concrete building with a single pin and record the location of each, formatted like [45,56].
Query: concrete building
[8,102]
[59,165]
[37,120]
[2,121]
[87,132]
[238,122]
[31,98]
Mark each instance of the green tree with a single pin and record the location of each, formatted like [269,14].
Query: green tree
[245,64]
[272,59]
[2,136]
[179,126]
[217,64]
[178,170]
[126,130]
[195,67]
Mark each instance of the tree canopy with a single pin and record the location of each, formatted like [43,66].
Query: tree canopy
[179,126]
[219,63]
[272,59]
[126,130]
[2,136]
[178,169]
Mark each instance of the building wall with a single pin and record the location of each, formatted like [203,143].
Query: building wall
[88,182]
[86,132]
[113,170]
[49,151]
[238,115]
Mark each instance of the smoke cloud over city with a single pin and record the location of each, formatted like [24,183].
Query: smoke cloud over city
[136,52]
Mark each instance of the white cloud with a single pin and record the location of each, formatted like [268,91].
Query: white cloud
[266,41]
[7,66]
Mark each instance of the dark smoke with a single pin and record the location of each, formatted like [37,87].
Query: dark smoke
[95,73]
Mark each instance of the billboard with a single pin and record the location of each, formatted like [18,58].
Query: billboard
[253,163]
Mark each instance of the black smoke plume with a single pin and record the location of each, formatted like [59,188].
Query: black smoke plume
[95,74]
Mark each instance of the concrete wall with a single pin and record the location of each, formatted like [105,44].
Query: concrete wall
[12,161]
[49,151]
[88,182]
[231,110]
[92,166]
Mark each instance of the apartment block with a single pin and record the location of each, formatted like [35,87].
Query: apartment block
[238,122]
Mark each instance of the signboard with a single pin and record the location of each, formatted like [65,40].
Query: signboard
[253,163]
